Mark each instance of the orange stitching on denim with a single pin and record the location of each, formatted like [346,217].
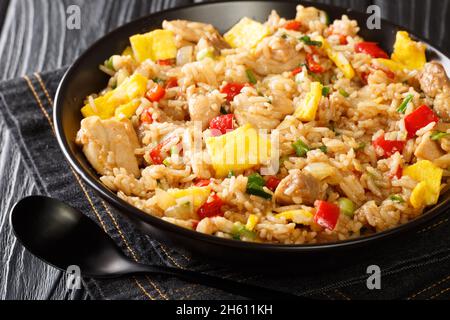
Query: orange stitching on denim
[44,88]
[41,106]
[36,97]
[442,292]
[143,289]
[430,287]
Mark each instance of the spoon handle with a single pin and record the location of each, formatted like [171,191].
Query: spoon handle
[230,286]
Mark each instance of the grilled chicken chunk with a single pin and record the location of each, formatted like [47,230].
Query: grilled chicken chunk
[298,188]
[428,149]
[109,144]
[435,83]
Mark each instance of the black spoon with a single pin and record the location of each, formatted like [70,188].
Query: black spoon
[62,236]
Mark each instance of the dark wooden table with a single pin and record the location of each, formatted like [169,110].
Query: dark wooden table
[34,38]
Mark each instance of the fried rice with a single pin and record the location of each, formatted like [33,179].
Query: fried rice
[359,141]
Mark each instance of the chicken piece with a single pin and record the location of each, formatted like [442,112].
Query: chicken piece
[442,104]
[276,54]
[109,144]
[298,188]
[435,83]
[261,112]
[433,79]
[204,107]
[190,31]
[428,149]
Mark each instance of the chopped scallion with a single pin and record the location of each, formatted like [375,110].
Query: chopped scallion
[404,105]
[301,148]
[251,76]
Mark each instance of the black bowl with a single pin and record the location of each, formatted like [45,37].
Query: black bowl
[84,78]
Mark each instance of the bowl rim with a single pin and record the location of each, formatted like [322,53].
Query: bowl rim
[165,226]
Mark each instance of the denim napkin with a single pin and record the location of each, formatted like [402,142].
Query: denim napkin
[415,268]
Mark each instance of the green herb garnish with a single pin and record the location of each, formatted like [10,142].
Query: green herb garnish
[324,149]
[307,40]
[301,148]
[325,91]
[361,146]
[231,174]
[438,135]
[251,76]
[158,80]
[344,93]
[109,64]
[397,198]
[404,105]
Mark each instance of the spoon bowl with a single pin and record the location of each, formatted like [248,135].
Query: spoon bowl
[62,236]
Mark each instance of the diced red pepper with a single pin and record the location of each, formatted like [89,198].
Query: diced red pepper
[389,147]
[156,93]
[172,82]
[272,183]
[293,25]
[166,62]
[296,71]
[211,209]
[398,174]
[343,39]
[232,90]
[313,66]
[327,214]
[146,116]
[222,123]
[418,119]
[372,49]
[155,155]
[365,77]
[202,183]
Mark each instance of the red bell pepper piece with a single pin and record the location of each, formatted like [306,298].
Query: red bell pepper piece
[222,123]
[146,116]
[272,183]
[343,39]
[166,62]
[232,90]
[211,209]
[327,214]
[372,49]
[202,183]
[389,146]
[156,93]
[293,25]
[296,71]
[398,174]
[155,155]
[195,224]
[313,66]
[418,119]
[172,82]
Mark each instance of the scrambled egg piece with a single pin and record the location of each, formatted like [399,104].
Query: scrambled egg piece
[247,33]
[105,106]
[429,176]
[408,54]
[251,222]
[155,45]
[307,111]
[241,149]
[297,216]
[338,58]
[196,195]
